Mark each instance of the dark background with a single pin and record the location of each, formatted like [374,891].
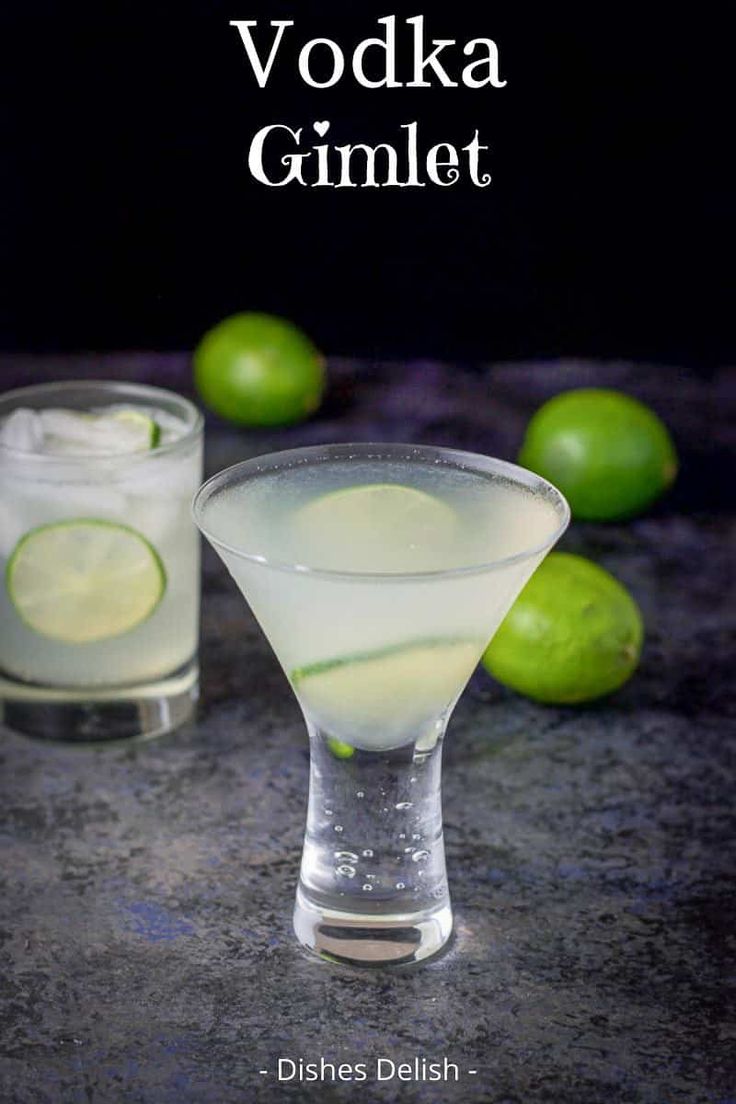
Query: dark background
[129,218]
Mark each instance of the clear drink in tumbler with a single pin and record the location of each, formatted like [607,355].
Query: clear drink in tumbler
[99,601]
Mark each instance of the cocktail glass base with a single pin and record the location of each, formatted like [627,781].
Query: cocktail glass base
[96,714]
[363,940]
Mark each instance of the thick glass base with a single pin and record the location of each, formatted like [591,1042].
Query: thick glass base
[99,714]
[362,940]
[373,888]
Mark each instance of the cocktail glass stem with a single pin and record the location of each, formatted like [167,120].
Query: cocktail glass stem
[373,885]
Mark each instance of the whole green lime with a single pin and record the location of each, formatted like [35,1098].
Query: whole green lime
[573,634]
[609,454]
[259,370]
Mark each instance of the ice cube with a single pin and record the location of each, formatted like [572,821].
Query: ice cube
[161,476]
[157,518]
[22,430]
[159,489]
[75,433]
[11,529]
[26,503]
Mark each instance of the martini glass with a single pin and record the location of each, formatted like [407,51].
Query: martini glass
[378,573]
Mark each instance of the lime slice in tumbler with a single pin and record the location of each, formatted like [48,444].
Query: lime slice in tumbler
[84,580]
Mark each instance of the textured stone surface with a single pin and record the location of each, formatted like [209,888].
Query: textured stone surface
[145,945]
